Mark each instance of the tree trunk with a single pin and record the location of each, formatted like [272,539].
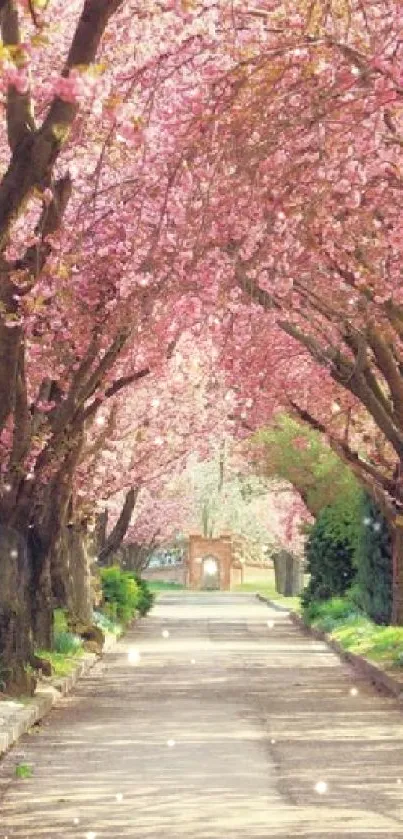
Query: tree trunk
[397,563]
[15,614]
[41,594]
[116,536]
[80,591]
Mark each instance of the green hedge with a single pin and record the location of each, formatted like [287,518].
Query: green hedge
[124,594]
[330,551]
[373,560]
[349,551]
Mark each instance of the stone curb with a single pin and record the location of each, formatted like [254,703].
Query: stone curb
[16,718]
[382,679]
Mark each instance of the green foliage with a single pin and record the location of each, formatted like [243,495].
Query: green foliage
[355,632]
[120,594]
[373,560]
[145,598]
[124,594]
[106,624]
[66,643]
[298,454]
[60,623]
[330,550]
[161,585]
[327,615]
[23,770]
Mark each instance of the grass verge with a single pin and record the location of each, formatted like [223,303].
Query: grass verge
[160,585]
[268,590]
[62,664]
[356,633]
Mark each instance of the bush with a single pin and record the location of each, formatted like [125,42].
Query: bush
[330,551]
[120,593]
[373,560]
[145,595]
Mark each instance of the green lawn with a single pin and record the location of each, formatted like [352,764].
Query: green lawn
[268,590]
[159,585]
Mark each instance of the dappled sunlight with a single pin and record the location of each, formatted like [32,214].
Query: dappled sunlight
[222,729]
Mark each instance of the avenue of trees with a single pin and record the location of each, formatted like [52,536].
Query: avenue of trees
[200,225]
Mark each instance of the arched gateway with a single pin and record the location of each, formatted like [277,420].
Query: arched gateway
[209,563]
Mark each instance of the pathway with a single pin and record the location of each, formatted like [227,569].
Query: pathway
[221,730]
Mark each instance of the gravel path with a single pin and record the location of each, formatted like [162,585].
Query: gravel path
[223,729]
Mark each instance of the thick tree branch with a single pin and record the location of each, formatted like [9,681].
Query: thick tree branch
[116,536]
[376,482]
[124,381]
[20,121]
[35,155]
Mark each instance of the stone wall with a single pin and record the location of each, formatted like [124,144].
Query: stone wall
[169,574]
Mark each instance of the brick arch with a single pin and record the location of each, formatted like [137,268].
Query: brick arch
[199,547]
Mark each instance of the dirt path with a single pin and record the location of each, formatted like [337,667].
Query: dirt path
[221,730]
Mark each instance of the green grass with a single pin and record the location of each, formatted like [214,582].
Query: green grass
[160,585]
[268,590]
[60,620]
[62,665]
[23,770]
[356,633]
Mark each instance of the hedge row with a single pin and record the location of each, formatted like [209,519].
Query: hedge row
[349,550]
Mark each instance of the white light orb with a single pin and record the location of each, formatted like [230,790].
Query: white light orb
[270,624]
[170,743]
[133,656]
[119,796]
[210,567]
[353,692]
[100,420]
[165,633]
[321,787]
[91,835]
[193,661]
[272,742]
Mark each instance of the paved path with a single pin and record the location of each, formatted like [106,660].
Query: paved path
[220,731]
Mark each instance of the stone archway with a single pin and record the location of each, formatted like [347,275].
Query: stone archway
[200,552]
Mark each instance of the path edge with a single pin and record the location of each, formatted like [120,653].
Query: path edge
[382,679]
[26,714]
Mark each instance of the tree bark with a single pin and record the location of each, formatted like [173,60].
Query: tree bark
[116,536]
[15,614]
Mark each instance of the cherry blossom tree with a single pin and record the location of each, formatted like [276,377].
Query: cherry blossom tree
[297,179]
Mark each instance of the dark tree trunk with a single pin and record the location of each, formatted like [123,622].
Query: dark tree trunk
[15,614]
[397,564]
[41,593]
[116,536]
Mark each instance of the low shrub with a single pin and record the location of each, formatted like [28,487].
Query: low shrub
[145,595]
[355,632]
[66,643]
[121,594]
[106,624]
[331,613]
